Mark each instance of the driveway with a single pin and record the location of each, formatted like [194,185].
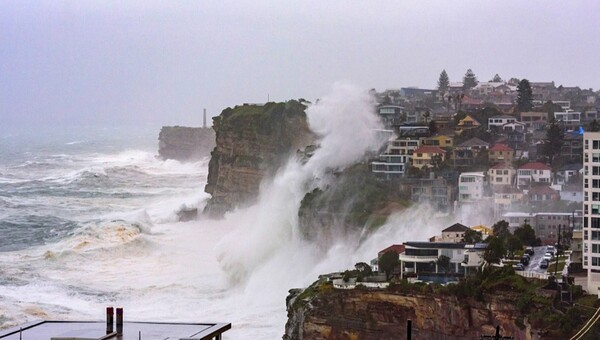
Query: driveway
[536,259]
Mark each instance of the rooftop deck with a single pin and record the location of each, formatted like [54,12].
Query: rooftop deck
[95,330]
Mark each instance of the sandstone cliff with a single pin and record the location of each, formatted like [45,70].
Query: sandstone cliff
[252,141]
[185,143]
[524,311]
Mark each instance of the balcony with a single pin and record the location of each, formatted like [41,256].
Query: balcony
[418,258]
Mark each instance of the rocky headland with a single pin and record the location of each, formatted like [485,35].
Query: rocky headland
[185,143]
[523,309]
[252,141]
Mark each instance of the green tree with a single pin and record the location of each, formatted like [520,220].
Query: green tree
[524,96]
[495,250]
[443,262]
[496,79]
[554,141]
[469,80]
[432,127]
[364,268]
[443,82]
[513,244]
[386,100]
[500,229]
[472,236]
[513,81]
[388,261]
[526,235]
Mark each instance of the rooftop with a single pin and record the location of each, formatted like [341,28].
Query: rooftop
[435,245]
[474,142]
[89,330]
[429,149]
[456,227]
[501,147]
[534,166]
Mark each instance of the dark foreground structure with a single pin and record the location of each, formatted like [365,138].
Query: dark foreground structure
[78,330]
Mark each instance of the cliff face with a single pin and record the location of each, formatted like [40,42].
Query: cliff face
[381,314]
[185,143]
[251,141]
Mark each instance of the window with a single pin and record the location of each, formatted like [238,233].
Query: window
[596,183]
[467,180]
[595,157]
[596,144]
[587,144]
[506,172]
[596,248]
[595,170]
[595,235]
[595,261]
[595,210]
[595,222]
[498,179]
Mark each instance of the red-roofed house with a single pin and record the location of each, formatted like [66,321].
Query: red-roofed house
[534,172]
[425,156]
[501,153]
[398,248]
[543,193]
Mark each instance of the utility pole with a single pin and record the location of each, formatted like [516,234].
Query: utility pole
[557,250]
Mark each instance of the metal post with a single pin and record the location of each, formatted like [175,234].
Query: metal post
[110,311]
[409,330]
[119,320]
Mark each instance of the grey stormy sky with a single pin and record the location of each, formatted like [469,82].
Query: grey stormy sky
[161,62]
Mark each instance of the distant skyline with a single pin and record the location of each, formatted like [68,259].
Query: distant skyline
[155,62]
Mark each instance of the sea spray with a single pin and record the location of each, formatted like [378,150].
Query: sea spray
[346,124]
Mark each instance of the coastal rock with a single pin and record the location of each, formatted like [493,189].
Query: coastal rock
[383,314]
[252,141]
[185,143]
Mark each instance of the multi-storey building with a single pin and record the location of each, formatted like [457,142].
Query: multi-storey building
[591,210]
[471,186]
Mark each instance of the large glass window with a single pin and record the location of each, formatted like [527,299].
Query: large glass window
[595,261]
[595,222]
[596,144]
[596,248]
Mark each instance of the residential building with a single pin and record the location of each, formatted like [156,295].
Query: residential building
[427,156]
[454,233]
[569,119]
[542,193]
[545,224]
[572,193]
[534,120]
[497,122]
[390,115]
[471,186]
[465,154]
[388,166]
[421,257]
[533,172]
[502,174]
[571,149]
[438,192]
[443,141]
[505,198]
[467,123]
[591,210]
[514,126]
[501,153]
[569,173]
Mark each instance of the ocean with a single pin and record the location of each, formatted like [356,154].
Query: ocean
[88,220]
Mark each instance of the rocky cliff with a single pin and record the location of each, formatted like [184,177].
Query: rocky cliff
[185,143]
[252,141]
[322,312]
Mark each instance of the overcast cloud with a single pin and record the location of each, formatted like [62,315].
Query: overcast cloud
[104,62]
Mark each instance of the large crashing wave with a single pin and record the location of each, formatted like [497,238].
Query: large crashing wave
[266,235]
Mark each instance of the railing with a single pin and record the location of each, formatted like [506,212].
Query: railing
[417,258]
[533,275]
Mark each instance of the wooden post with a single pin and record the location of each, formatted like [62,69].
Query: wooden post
[109,319]
[119,320]
[409,329]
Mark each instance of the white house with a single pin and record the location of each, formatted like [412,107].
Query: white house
[572,118]
[499,121]
[534,172]
[471,186]
[422,257]
[502,174]
[514,126]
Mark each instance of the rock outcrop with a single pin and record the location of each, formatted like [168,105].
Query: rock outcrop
[379,314]
[522,309]
[185,143]
[252,141]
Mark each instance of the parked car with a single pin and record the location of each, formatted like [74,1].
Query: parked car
[525,260]
[529,251]
[519,267]
[544,264]
[548,256]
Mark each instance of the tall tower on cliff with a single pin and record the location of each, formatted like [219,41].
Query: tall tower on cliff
[204,120]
